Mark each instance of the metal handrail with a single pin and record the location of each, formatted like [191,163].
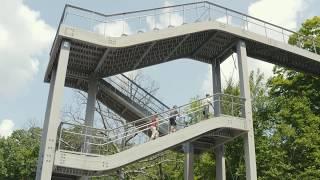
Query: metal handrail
[122,133]
[283,31]
[144,91]
[155,105]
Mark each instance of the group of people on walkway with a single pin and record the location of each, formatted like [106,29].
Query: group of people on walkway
[173,114]
[154,125]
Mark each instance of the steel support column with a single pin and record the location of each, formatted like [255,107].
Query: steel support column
[52,116]
[220,163]
[249,148]
[90,109]
[188,161]
[89,118]
[219,151]
[216,86]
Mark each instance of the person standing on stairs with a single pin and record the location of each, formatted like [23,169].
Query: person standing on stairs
[173,116]
[207,104]
[154,127]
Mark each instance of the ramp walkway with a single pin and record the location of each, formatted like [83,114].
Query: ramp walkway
[202,31]
[89,151]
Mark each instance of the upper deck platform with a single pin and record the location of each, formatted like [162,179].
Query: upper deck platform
[201,31]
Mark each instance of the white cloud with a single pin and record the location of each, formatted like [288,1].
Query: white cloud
[273,11]
[23,37]
[113,29]
[165,18]
[283,13]
[6,128]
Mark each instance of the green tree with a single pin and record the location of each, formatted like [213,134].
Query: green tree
[18,154]
[294,115]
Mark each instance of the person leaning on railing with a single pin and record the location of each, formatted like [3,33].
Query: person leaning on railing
[207,103]
[154,127]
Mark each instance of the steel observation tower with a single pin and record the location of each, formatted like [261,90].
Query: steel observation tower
[85,56]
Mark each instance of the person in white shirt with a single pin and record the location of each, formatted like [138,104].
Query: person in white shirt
[154,127]
[207,103]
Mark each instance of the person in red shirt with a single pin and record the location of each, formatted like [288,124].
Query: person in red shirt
[154,127]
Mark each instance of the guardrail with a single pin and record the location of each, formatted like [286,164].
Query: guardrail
[123,24]
[91,140]
[137,94]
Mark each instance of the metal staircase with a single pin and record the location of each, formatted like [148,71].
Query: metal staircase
[124,97]
[84,51]
[102,143]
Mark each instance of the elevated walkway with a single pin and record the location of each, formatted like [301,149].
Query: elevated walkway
[93,165]
[205,32]
[99,157]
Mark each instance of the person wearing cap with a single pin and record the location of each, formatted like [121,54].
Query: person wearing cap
[207,102]
[172,120]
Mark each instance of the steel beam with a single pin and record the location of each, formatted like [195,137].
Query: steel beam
[144,55]
[175,49]
[220,163]
[188,161]
[52,116]
[204,44]
[225,51]
[219,151]
[101,61]
[249,148]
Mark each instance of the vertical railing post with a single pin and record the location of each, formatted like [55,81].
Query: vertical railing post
[183,18]
[104,28]
[299,41]
[227,16]
[247,23]
[265,29]
[283,37]
[155,20]
[314,45]
[123,26]
[209,18]
[232,106]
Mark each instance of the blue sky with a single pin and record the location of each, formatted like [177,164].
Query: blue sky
[27,28]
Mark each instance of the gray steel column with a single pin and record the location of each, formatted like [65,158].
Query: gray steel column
[52,116]
[91,107]
[219,151]
[216,85]
[220,163]
[188,161]
[89,118]
[249,148]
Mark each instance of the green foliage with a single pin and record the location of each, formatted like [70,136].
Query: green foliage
[311,29]
[18,154]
